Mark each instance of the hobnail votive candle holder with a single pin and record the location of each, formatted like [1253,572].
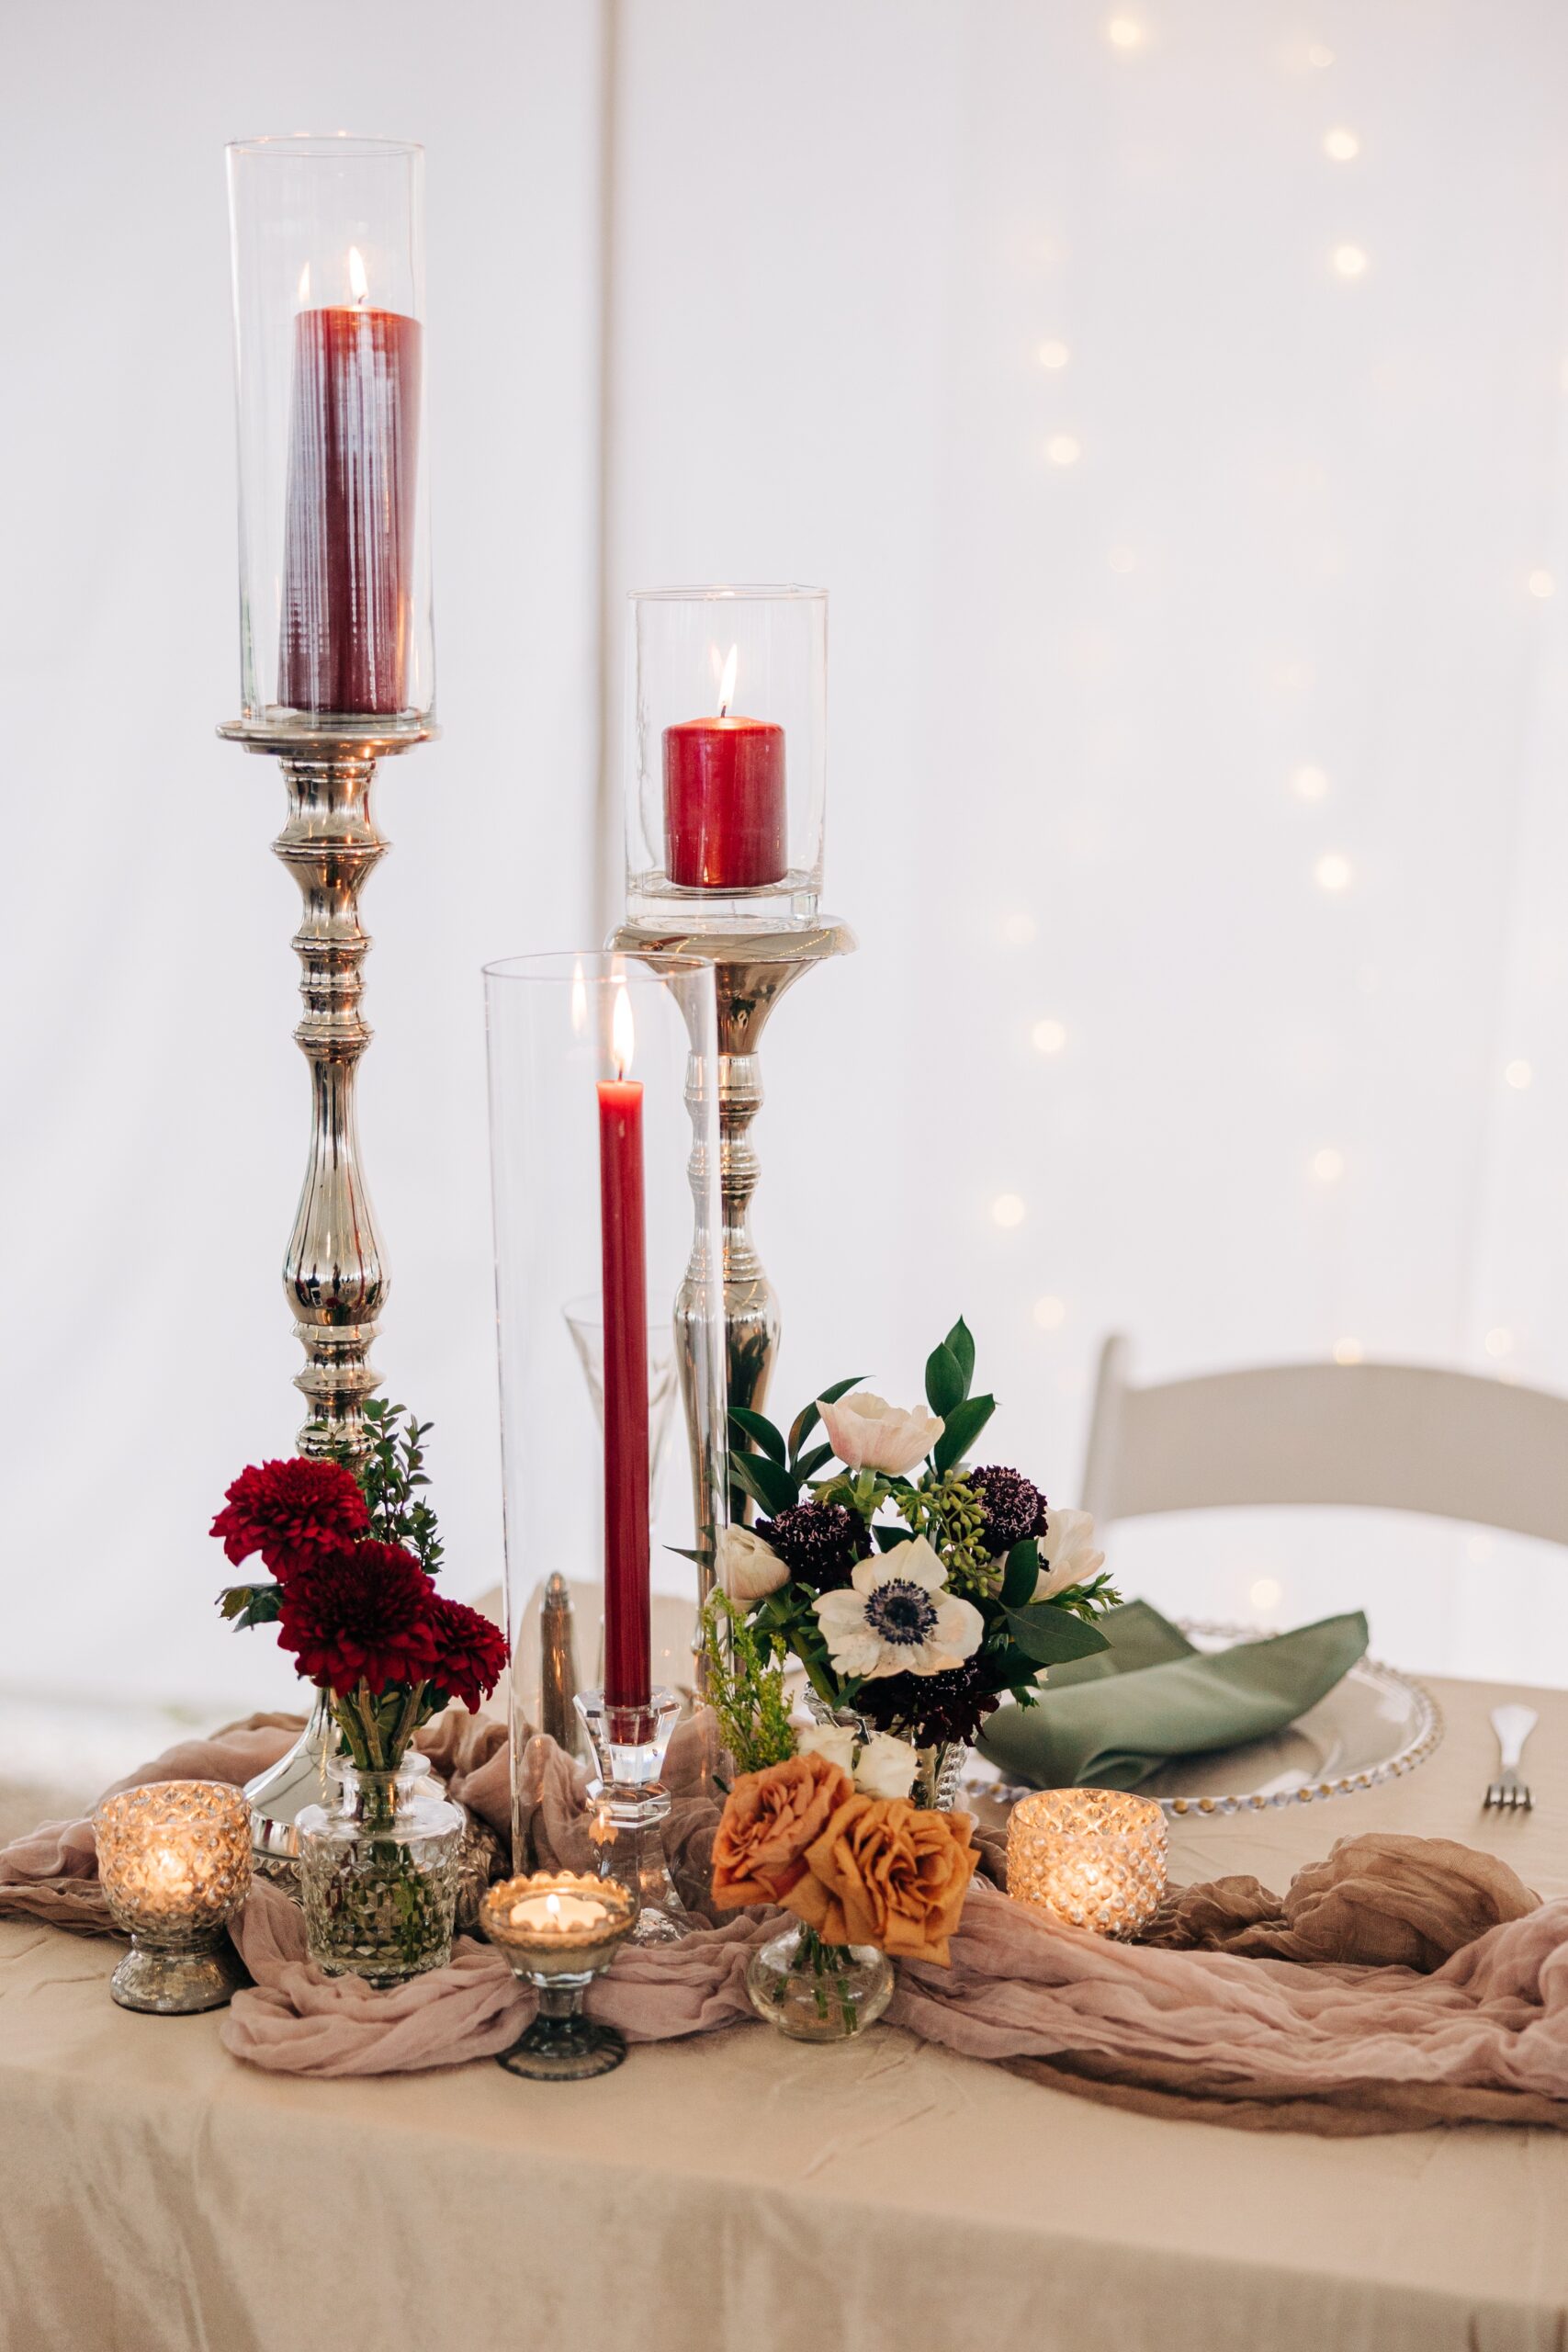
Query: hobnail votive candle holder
[1094,1857]
[557,1931]
[174,1865]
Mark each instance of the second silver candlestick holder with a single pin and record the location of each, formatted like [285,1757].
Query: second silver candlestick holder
[629,1806]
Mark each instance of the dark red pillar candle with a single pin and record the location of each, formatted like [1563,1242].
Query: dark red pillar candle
[629,1672]
[349,522]
[724,804]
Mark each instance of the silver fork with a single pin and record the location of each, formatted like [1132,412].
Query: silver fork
[1508,1792]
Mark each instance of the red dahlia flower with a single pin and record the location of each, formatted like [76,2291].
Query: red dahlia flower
[363,1613]
[470,1653]
[291,1512]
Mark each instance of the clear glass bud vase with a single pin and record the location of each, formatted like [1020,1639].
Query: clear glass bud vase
[815,1991]
[378,1873]
[940,1771]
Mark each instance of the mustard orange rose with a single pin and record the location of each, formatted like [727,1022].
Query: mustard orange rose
[772,1816]
[887,1873]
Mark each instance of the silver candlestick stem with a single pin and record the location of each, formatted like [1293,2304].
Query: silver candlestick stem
[752,971]
[335,1277]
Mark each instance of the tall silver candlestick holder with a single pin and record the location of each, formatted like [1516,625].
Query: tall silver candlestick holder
[334,1274]
[752,969]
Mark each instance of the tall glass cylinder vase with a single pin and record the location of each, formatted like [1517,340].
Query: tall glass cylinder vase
[727,757]
[604,1097]
[335,529]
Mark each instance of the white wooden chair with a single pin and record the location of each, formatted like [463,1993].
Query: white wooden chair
[1398,1437]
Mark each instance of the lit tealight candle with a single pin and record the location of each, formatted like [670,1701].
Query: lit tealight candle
[174,1865]
[1094,1857]
[555,1914]
[557,1931]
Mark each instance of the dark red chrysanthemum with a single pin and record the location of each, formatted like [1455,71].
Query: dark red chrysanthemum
[291,1512]
[470,1653]
[364,1613]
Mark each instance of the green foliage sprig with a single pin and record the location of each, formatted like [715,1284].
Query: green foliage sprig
[746,1688]
[391,1477]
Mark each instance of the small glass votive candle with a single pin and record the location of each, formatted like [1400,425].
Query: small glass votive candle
[174,1865]
[1094,1858]
[559,1930]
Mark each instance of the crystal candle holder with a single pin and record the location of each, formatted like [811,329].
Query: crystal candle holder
[1094,1857]
[557,1931]
[174,1865]
[725,760]
[630,1805]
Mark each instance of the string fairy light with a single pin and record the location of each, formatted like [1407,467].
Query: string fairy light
[1517,1074]
[1126,33]
[1348,1351]
[1064,449]
[1310,783]
[1540,583]
[1053,354]
[1009,1210]
[1327,1165]
[1048,1036]
[1341,146]
[1332,871]
[1050,1312]
[1349,261]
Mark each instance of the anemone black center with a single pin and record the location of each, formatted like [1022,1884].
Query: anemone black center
[901,1611]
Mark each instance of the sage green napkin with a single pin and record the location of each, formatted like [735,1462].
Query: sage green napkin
[1112,1719]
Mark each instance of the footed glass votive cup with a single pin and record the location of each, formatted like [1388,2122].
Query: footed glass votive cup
[1094,1857]
[559,1930]
[174,1865]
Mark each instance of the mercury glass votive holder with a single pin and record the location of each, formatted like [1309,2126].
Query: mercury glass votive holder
[1094,1857]
[174,1865]
[559,1930]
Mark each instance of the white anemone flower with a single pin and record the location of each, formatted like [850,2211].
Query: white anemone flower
[1067,1548]
[897,1617]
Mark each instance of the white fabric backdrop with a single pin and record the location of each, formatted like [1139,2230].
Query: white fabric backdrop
[1192,500]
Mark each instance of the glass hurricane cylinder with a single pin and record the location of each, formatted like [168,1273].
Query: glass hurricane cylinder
[378,1867]
[328,243]
[726,762]
[598,1061]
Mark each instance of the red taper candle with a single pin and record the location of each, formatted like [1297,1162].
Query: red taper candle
[628,1669]
[349,516]
[725,826]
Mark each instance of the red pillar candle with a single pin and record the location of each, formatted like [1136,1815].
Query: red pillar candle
[723,800]
[349,519]
[629,1672]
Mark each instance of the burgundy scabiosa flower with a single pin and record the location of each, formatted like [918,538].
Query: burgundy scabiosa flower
[364,1613]
[291,1512]
[1013,1505]
[931,1709]
[818,1543]
[470,1653]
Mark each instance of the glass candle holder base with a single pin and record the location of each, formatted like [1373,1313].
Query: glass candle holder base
[630,1805]
[176,1982]
[562,2045]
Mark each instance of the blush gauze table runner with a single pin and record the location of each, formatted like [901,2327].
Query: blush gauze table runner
[1400,1982]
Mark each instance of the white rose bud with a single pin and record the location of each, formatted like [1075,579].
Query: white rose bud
[868,1433]
[747,1568]
[887,1766]
[835,1741]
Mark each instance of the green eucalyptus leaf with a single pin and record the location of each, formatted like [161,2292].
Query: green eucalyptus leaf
[1022,1574]
[1050,1635]
[960,1344]
[964,1426]
[810,1463]
[758,1427]
[944,1381]
[766,1482]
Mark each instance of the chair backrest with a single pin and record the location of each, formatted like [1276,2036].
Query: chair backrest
[1401,1437]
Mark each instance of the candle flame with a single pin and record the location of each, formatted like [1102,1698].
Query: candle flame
[552,1904]
[726,683]
[356,277]
[579,1000]
[623,1034]
[305,285]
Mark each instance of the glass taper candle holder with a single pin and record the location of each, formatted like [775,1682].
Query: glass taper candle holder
[1094,1857]
[557,1931]
[604,1067]
[629,1805]
[174,1865]
[726,763]
[328,244]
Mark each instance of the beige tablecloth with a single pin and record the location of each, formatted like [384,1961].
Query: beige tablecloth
[741,2194]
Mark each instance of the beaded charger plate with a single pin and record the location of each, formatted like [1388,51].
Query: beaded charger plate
[1375,1726]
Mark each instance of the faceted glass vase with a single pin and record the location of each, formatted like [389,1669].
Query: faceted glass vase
[814,1991]
[378,1873]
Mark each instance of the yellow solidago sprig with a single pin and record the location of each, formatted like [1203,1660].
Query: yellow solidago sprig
[746,1688]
